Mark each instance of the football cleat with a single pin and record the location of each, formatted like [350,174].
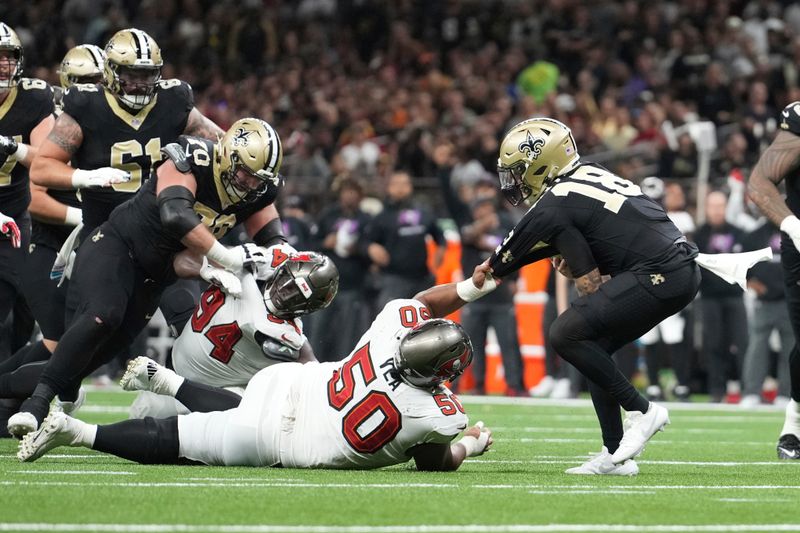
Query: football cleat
[544,387]
[640,427]
[601,464]
[21,424]
[788,447]
[70,407]
[145,374]
[562,390]
[57,429]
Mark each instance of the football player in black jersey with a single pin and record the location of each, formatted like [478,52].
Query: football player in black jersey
[113,135]
[781,162]
[26,117]
[595,224]
[199,193]
[55,213]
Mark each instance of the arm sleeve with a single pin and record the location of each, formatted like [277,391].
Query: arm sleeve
[575,250]
[525,244]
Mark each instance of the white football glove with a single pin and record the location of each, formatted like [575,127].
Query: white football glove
[791,226]
[101,177]
[225,280]
[10,230]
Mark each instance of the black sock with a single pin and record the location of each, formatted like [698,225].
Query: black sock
[21,382]
[200,398]
[607,409]
[794,373]
[147,441]
[39,402]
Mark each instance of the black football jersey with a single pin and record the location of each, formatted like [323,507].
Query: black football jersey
[138,221]
[790,121]
[593,219]
[24,108]
[113,137]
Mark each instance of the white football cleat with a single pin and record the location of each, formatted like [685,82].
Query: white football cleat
[562,390]
[145,374]
[544,388]
[639,429]
[69,408]
[57,429]
[22,423]
[601,464]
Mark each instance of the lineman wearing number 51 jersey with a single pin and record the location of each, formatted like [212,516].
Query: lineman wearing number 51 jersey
[231,337]
[383,405]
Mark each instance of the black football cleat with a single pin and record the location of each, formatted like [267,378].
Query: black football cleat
[788,447]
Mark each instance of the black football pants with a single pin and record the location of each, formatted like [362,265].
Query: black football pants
[596,325]
[790,259]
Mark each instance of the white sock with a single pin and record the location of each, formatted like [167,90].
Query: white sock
[83,433]
[171,382]
[791,423]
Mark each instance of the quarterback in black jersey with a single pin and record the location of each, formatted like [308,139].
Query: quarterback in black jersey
[594,224]
[781,162]
[199,193]
[26,116]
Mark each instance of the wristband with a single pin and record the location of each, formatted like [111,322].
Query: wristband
[22,151]
[791,226]
[223,257]
[474,446]
[468,292]
[74,216]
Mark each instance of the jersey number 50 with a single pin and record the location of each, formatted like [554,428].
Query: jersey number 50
[341,390]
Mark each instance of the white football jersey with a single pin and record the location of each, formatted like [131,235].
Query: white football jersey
[357,413]
[229,339]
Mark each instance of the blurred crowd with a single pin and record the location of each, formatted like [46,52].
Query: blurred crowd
[375,99]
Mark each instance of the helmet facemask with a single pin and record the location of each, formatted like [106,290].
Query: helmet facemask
[292,291]
[244,185]
[432,352]
[512,182]
[11,58]
[135,86]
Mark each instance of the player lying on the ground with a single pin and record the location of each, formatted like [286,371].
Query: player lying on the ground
[383,405]
[230,337]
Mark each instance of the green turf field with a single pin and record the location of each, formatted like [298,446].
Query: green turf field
[712,470]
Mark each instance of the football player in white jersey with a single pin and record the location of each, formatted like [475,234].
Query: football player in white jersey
[230,337]
[383,405]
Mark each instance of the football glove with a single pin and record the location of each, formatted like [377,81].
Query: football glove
[10,230]
[101,177]
[8,146]
[476,445]
[227,281]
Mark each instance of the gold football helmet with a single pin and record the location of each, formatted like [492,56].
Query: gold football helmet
[248,158]
[532,154]
[9,41]
[83,64]
[133,67]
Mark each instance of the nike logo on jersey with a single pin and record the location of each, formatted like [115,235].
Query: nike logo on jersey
[791,454]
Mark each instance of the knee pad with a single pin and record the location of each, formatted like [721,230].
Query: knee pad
[177,305]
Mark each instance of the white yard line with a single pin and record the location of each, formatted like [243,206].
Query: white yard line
[77,472]
[659,441]
[569,460]
[675,406]
[444,528]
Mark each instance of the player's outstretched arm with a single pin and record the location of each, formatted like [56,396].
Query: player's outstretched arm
[442,300]
[776,162]
[448,457]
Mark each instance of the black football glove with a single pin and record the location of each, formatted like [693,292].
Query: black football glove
[8,146]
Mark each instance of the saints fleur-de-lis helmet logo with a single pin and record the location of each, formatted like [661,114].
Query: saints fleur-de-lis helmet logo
[531,146]
[241,137]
